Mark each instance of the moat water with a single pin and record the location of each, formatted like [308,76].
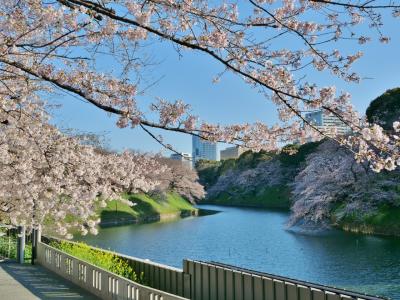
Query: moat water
[259,240]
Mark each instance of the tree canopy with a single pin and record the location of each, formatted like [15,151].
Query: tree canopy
[385,109]
[53,47]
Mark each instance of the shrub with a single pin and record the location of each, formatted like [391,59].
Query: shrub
[103,259]
[8,248]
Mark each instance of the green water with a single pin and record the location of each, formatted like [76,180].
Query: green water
[258,239]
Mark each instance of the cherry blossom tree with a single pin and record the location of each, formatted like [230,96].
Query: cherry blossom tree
[180,179]
[48,47]
[269,173]
[331,177]
[56,45]
[329,173]
[51,178]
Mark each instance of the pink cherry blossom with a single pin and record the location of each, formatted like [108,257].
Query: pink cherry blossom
[48,47]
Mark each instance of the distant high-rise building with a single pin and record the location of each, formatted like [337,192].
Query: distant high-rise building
[328,123]
[231,152]
[185,158]
[202,149]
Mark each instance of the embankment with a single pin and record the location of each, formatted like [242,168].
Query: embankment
[146,209]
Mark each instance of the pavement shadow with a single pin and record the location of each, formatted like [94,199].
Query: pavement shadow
[42,283]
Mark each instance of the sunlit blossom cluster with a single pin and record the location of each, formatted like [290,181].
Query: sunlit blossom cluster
[51,178]
[377,146]
[330,177]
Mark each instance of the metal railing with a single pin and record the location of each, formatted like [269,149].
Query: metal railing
[158,276]
[212,280]
[326,289]
[197,281]
[100,282]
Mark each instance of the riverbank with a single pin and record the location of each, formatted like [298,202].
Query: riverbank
[255,179]
[146,209]
[352,199]
[275,197]
[383,221]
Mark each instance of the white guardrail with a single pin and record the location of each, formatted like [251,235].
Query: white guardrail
[99,282]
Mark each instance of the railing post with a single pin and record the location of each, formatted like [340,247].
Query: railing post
[35,240]
[21,244]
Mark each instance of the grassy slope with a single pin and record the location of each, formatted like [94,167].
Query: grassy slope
[386,220]
[145,206]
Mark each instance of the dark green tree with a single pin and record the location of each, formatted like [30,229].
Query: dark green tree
[385,109]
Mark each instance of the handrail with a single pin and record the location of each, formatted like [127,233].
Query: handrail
[96,280]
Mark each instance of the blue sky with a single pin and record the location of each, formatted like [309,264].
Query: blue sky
[231,100]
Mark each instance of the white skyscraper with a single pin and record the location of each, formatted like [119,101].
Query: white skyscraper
[202,149]
[327,123]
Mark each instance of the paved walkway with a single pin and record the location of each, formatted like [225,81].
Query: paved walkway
[27,282]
